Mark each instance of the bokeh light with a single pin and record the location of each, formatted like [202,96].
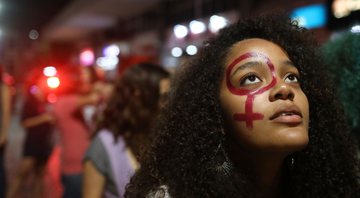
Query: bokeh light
[33,34]
[180,31]
[176,52]
[355,29]
[216,23]
[107,62]
[87,57]
[51,98]
[191,50]
[49,71]
[111,50]
[33,89]
[197,27]
[53,82]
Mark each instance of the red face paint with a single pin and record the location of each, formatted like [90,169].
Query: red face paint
[249,116]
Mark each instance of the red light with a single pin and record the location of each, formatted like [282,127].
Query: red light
[51,98]
[53,82]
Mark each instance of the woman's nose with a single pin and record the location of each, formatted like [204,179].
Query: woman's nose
[281,91]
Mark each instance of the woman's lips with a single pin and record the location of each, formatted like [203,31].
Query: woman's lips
[287,115]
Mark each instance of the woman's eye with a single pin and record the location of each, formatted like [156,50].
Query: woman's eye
[250,79]
[292,78]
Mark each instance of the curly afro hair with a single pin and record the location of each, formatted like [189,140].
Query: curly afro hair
[341,56]
[185,155]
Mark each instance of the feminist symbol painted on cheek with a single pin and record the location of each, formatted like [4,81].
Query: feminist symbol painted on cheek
[249,116]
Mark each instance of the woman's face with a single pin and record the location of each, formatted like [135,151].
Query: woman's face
[265,107]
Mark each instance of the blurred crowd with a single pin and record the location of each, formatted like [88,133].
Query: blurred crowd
[83,121]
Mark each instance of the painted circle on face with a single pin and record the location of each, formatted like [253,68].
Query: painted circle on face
[238,91]
[249,116]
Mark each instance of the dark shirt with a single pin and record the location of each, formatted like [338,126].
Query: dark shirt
[33,108]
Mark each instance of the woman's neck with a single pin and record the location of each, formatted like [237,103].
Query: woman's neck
[268,176]
[264,169]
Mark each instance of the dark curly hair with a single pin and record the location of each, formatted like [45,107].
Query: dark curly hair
[185,153]
[341,56]
[134,104]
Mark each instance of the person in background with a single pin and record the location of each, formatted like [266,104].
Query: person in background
[73,130]
[342,57]
[38,124]
[5,113]
[94,83]
[237,122]
[124,131]
[89,79]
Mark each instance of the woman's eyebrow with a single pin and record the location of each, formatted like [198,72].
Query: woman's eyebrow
[247,65]
[288,63]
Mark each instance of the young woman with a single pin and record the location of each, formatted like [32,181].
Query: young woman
[74,132]
[38,123]
[124,131]
[237,123]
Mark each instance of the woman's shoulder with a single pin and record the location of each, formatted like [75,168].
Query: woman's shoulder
[108,136]
[160,192]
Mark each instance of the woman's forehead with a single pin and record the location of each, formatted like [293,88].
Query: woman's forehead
[255,45]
